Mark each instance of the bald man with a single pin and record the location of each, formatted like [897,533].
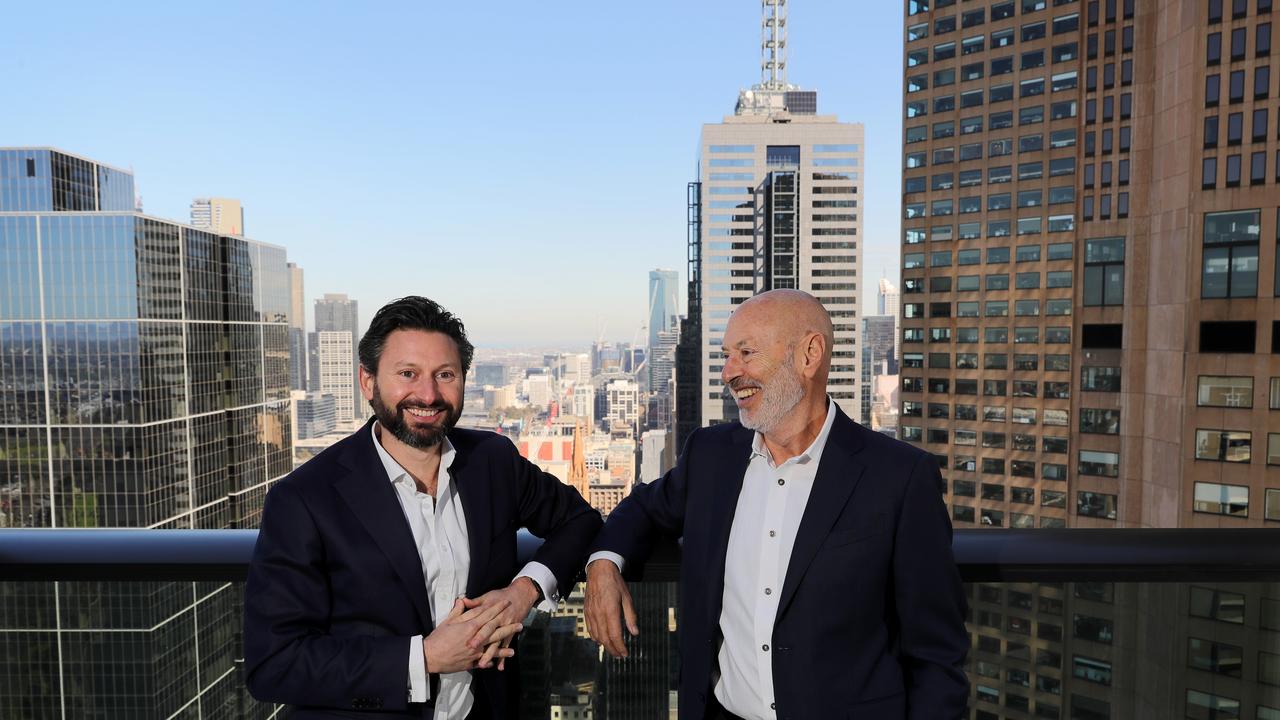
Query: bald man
[817,578]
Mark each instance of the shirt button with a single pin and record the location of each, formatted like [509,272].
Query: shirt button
[772,533]
[781,481]
[764,648]
[773,706]
[768,591]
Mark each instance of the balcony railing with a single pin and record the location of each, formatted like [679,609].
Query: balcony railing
[1046,555]
[1088,624]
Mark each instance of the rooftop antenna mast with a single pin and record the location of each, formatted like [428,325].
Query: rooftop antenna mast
[773,44]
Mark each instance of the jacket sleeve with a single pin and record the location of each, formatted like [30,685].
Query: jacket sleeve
[557,513]
[930,601]
[652,511]
[289,657]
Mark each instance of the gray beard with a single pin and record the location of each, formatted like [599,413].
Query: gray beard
[781,395]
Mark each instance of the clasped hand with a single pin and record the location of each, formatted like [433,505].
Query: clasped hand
[497,615]
[472,635]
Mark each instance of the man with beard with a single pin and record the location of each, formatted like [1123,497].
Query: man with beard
[817,578]
[384,578]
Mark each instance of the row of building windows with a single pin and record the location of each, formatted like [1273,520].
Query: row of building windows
[1239,9]
[1063,138]
[1239,44]
[1259,123]
[1236,86]
[1232,174]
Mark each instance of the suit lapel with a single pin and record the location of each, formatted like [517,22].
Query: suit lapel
[837,477]
[476,496]
[724,505]
[368,492]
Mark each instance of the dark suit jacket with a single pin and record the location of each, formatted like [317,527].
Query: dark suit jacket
[335,589]
[870,623]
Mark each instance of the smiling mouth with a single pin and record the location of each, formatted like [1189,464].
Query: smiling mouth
[423,412]
[745,393]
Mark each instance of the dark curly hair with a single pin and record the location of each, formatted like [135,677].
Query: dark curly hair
[412,313]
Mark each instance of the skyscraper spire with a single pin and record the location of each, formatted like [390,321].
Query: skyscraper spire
[773,44]
[773,94]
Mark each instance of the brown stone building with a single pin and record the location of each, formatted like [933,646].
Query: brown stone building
[1090,326]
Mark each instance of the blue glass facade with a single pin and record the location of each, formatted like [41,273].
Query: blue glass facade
[144,382]
[44,180]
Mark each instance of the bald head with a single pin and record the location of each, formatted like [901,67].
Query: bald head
[790,315]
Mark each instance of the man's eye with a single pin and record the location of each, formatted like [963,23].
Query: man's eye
[407,374]
[446,376]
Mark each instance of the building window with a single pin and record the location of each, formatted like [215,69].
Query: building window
[1219,499]
[1230,264]
[1100,421]
[1206,705]
[1098,505]
[1225,391]
[1214,604]
[1094,629]
[1273,455]
[1099,464]
[1214,657]
[1104,272]
[1224,445]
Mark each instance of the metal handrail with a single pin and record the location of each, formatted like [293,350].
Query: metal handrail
[1045,555]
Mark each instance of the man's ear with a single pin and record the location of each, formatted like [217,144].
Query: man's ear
[366,383]
[815,348]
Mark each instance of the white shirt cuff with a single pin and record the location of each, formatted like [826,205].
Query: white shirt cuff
[419,688]
[542,575]
[612,557]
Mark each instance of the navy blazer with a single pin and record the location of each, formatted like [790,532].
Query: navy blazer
[870,622]
[335,589]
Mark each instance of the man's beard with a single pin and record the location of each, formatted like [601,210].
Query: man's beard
[781,394]
[415,437]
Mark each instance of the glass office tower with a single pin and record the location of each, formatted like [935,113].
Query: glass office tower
[144,383]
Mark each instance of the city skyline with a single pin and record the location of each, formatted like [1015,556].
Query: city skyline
[321,178]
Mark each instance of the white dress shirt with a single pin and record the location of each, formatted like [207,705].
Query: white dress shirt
[440,532]
[770,507]
[768,515]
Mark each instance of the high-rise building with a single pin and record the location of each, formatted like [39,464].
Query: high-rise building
[144,383]
[334,353]
[889,303]
[297,330]
[494,374]
[1089,317]
[664,310]
[778,193]
[878,334]
[317,415]
[622,402]
[223,216]
[335,312]
[888,299]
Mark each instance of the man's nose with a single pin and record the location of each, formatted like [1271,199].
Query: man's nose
[427,389]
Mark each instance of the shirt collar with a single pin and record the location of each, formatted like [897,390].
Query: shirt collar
[395,471]
[814,451]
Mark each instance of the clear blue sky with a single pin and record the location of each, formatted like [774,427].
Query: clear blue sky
[523,163]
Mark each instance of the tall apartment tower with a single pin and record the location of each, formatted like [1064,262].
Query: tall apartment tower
[335,312]
[223,216]
[664,319]
[144,383]
[777,196]
[297,330]
[333,355]
[1091,334]
[889,302]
